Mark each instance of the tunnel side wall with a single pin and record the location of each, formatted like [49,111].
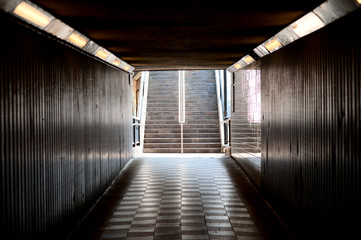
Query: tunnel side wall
[311,110]
[65,133]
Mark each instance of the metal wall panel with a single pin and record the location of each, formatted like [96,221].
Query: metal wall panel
[65,133]
[311,128]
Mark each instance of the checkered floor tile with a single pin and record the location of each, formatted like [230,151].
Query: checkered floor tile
[180,198]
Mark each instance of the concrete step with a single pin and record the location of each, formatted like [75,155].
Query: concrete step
[193,92]
[161,131]
[163,97]
[155,109]
[185,145]
[150,113]
[178,130]
[185,140]
[162,126]
[185,126]
[178,150]
[162,140]
[202,150]
[160,118]
[190,122]
[157,121]
[207,121]
[162,150]
[162,101]
[162,145]
[178,135]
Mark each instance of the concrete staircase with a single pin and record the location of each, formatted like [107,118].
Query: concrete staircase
[246,136]
[162,130]
[201,131]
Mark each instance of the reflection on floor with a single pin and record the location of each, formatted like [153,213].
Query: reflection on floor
[181,197]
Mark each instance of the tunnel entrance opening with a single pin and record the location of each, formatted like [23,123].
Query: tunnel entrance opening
[182,113]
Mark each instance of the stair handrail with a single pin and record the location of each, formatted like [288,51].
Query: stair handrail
[181,104]
[143,109]
[219,77]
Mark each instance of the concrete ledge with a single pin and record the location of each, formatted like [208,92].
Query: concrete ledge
[251,163]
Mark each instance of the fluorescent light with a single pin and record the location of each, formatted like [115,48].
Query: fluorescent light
[32,14]
[248,59]
[358,1]
[102,53]
[272,44]
[116,62]
[77,40]
[237,66]
[307,24]
[126,68]
[46,22]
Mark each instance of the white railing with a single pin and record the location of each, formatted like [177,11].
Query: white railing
[219,78]
[181,104]
[139,120]
[143,100]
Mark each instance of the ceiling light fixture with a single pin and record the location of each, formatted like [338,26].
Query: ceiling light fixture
[324,14]
[77,39]
[39,18]
[32,14]
[102,53]
[116,62]
[126,68]
[307,24]
[272,44]
[248,59]
[237,66]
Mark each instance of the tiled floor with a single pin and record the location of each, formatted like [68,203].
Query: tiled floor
[174,198]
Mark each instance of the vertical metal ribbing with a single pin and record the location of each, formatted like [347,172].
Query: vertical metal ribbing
[310,130]
[65,123]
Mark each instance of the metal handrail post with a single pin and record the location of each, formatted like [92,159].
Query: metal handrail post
[181,104]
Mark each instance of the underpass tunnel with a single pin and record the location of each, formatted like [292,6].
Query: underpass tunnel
[192,120]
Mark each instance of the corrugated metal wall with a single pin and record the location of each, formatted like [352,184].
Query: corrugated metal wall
[311,110]
[65,133]
[246,121]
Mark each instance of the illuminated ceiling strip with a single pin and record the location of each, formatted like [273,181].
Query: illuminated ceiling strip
[324,14]
[33,14]
[77,39]
[248,59]
[272,44]
[43,20]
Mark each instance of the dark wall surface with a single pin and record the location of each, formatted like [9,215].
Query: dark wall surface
[311,144]
[65,133]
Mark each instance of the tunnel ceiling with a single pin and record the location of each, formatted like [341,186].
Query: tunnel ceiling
[162,35]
